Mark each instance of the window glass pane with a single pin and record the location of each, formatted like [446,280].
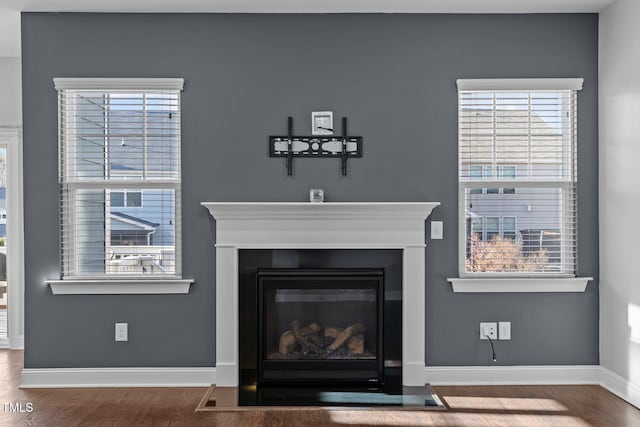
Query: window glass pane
[528,128]
[476,225]
[508,172]
[534,237]
[492,227]
[488,174]
[88,232]
[509,227]
[84,118]
[142,238]
[475,172]
[116,135]
[134,199]
[117,198]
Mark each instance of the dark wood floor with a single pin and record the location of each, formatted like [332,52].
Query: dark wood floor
[468,406]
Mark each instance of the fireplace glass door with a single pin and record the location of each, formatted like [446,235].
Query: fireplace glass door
[320,326]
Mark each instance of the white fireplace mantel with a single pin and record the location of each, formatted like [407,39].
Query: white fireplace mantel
[292,225]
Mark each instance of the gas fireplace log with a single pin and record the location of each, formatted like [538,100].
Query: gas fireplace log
[311,328]
[332,331]
[287,343]
[355,344]
[288,339]
[307,345]
[355,329]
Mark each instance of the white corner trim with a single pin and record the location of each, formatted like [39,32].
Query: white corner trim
[619,386]
[520,84]
[81,83]
[507,375]
[117,377]
[120,286]
[16,343]
[509,284]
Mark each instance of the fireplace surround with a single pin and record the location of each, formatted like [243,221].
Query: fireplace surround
[337,225]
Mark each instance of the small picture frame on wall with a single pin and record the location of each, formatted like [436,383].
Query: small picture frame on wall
[316,195]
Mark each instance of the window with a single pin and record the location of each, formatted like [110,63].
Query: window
[509,228]
[129,199]
[119,142]
[485,172]
[487,229]
[517,176]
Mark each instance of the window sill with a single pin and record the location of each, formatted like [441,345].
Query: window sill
[120,286]
[515,284]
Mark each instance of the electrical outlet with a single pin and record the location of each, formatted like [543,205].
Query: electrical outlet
[504,330]
[122,332]
[488,329]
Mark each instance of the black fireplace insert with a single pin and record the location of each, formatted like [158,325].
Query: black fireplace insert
[320,326]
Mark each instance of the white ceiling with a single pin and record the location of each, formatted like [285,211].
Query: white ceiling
[10,9]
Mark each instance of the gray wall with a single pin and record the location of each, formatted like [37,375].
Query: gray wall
[392,75]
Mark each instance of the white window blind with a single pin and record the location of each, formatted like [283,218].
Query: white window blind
[517,176]
[119,152]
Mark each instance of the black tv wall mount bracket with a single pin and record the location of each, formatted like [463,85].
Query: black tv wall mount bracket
[320,147]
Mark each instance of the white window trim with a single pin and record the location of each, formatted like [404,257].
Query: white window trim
[120,284]
[510,282]
[62,83]
[551,84]
[516,284]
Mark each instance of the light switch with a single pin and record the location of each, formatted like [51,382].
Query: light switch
[436,230]
[504,330]
[122,332]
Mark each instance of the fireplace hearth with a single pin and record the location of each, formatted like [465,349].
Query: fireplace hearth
[320,326]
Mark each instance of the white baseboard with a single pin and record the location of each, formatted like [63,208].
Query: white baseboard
[117,377]
[434,375]
[619,386]
[503,375]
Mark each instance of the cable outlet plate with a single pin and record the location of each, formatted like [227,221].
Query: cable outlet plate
[488,329]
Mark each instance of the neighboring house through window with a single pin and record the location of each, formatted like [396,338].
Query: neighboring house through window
[517,176]
[120,177]
[130,199]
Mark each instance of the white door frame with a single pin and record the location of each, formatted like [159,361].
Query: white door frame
[11,138]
